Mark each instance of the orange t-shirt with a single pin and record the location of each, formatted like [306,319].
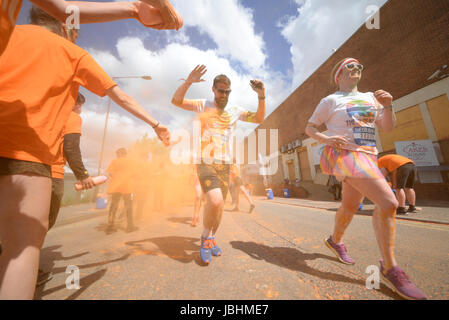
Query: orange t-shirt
[40,76]
[122,175]
[392,161]
[73,125]
[9,11]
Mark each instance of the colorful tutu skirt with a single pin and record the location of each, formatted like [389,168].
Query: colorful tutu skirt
[343,163]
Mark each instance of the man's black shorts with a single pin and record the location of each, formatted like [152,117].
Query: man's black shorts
[57,192]
[213,176]
[12,166]
[406,176]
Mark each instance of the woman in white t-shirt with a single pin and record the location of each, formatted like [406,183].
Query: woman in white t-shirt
[351,155]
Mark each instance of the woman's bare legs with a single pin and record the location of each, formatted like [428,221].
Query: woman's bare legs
[351,199]
[380,193]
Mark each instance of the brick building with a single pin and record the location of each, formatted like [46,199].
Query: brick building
[408,57]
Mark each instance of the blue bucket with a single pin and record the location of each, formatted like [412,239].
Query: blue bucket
[286,193]
[361,207]
[269,193]
[102,203]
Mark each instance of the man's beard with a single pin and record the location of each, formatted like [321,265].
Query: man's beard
[221,104]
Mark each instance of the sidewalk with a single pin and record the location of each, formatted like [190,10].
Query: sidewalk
[431,214]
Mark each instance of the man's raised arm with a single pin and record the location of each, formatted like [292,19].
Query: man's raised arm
[178,98]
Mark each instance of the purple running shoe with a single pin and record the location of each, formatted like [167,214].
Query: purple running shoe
[339,250]
[398,281]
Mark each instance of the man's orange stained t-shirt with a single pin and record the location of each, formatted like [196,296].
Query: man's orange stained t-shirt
[39,81]
[122,172]
[73,125]
[392,161]
[9,11]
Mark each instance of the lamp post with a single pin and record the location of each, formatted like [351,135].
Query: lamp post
[107,117]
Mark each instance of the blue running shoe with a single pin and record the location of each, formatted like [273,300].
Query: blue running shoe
[205,251]
[216,251]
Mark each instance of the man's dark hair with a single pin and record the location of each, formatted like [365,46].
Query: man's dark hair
[222,79]
[80,99]
[40,18]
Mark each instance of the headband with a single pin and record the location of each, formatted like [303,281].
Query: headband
[348,60]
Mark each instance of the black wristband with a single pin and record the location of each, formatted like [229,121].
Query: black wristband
[158,123]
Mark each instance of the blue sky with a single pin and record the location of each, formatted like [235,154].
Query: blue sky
[281,42]
[266,15]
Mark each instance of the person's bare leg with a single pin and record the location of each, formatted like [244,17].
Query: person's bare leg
[380,193]
[212,211]
[25,203]
[351,199]
[400,195]
[196,210]
[410,195]
[197,203]
[245,193]
[236,198]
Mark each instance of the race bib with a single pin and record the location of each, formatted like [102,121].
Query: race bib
[365,136]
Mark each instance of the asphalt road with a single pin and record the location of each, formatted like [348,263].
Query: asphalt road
[277,252]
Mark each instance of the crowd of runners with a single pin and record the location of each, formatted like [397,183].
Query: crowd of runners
[41,70]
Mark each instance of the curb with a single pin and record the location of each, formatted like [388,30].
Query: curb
[397,217]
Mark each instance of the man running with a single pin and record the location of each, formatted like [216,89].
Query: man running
[218,121]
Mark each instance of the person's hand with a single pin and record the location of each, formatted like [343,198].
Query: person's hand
[196,74]
[336,141]
[163,134]
[87,183]
[171,18]
[383,97]
[148,15]
[258,86]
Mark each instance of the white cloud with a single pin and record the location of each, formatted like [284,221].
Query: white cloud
[230,25]
[320,27]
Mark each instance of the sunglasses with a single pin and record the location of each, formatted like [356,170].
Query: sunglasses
[223,91]
[351,66]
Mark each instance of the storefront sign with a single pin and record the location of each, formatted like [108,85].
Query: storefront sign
[420,151]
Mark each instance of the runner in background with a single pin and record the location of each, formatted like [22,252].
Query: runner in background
[122,173]
[236,180]
[351,155]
